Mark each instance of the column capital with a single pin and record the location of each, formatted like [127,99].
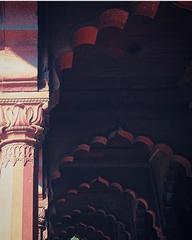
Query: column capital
[21,124]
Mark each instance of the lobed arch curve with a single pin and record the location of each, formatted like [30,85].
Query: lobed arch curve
[124,139]
[158,155]
[95,217]
[65,207]
[173,181]
[109,20]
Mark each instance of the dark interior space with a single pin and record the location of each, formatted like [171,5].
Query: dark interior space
[118,149]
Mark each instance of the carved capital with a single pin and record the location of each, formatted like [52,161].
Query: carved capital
[22,115]
[22,120]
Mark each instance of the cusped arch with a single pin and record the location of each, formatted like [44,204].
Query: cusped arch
[82,231]
[98,218]
[139,207]
[122,138]
[167,167]
[92,35]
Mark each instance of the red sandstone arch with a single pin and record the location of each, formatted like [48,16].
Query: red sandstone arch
[158,152]
[99,216]
[83,231]
[107,34]
[123,135]
[139,205]
[88,35]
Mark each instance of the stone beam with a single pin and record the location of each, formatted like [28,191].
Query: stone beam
[18,46]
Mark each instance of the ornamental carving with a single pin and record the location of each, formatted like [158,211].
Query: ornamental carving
[21,115]
[42,221]
[14,152]
[22,122]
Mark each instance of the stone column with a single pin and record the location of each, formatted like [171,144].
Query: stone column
[42,224]
[22,118]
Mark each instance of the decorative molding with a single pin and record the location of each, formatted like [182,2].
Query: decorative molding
[21,115]
[22,100]
[22,121]
[31,97]
[15,152]
[18,113]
